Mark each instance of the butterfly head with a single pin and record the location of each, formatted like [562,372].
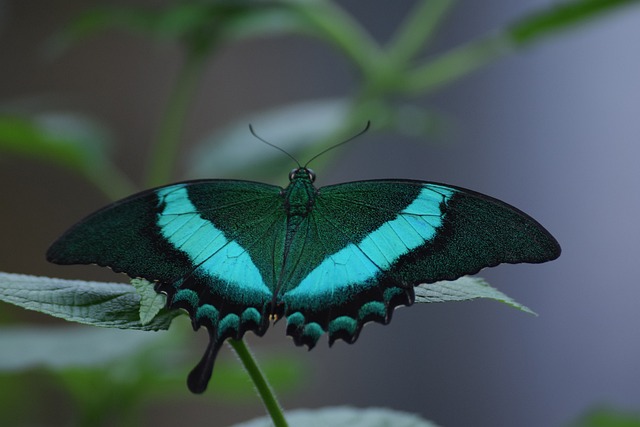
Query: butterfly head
[302,173]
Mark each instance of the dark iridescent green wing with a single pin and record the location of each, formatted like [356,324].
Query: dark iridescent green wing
[331,260]
[367,244]
[212,246]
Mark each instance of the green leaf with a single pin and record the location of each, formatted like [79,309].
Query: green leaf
[463,60]
[607,417]
[174,22]
[560,16]
[198,24]
[293,128]
[69,140]
[463,289]
[107,373]
[151,302]
[344,417]
[268,20]
[64,347]
[112,305]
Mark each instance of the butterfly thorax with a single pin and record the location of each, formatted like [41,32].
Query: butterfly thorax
[299,196]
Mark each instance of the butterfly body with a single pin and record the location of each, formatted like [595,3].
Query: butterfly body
[238,254]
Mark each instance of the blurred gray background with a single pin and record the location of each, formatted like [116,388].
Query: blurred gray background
[553,130]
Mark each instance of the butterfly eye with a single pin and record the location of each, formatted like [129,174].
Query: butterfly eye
[312,175]
[292,174]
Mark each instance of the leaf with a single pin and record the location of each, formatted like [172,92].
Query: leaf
[199,24]
[112,305]
[107,373]
[464,289]
[64,347]
[293,128]
[344,416]
[151,302]
[560,16]
[69,140]
[268,20]
[121,360]
[463,60]
[608,417]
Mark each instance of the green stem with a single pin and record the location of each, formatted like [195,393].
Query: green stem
[260,381]
[338,27]
[166,149]
[417,29]
[456,64]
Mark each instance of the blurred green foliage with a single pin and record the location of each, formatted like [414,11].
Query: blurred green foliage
[608,417]
[389,77]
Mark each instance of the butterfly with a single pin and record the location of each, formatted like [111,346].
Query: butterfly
[237,255]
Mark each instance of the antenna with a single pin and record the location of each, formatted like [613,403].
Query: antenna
[366,128]
[272,145]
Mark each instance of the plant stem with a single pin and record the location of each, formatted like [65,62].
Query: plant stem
[166,149]
[338,27]
[456,63]
[418,28]
[112,181]
[262,386]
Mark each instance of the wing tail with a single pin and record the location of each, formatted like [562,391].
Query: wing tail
[199,377]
